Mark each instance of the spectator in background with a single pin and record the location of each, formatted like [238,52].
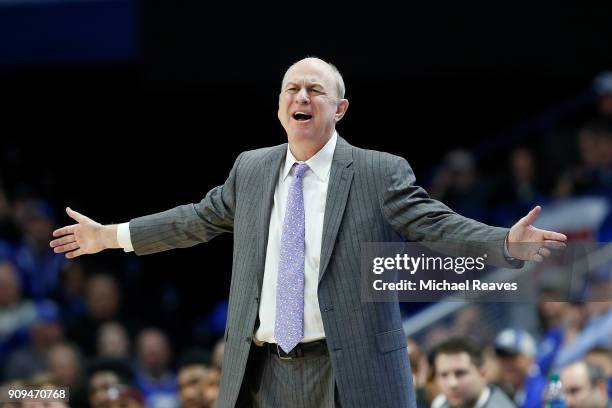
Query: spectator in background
[491,365]
[8,229]
[523,190]
[45,332]
[560,323]
[436,334]
[459,186]
[126,397]
[597,331]
[218,351]
[39,266]
[520,377]
[71,294]
[420,374]
[16,314]
[585,386]
[47,383]
[593,174]
[64,364]
[102,299]
[154,378]
[471,322]
[602,357]
[104,375]
[603,88]
[198,380]
[113,341]
[458,366]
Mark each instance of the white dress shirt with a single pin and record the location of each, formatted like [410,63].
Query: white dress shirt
[315,184]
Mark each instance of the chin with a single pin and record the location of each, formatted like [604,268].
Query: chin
[301,134]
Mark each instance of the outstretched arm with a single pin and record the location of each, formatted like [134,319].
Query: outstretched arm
[84,237]
[179,227]
[412,213]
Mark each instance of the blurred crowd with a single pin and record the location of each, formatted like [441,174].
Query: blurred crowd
[453,366]
[81,341]
[66,324]
[464,362]
[570,159]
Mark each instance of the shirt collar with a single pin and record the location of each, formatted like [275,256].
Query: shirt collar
[320,163]
[484,398]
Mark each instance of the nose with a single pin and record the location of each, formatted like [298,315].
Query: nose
[302,96]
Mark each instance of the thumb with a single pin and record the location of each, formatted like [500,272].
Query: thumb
[75,215]
[530,218]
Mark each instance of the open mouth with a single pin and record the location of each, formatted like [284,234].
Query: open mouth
[301,116]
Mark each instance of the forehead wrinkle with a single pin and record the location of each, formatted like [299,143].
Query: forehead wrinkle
[320,76]
[305,81]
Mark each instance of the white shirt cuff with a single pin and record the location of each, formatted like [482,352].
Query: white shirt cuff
[123,237]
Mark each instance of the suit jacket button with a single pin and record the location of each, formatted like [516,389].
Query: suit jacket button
[248,339]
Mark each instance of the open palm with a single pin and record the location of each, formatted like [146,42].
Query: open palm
[529,243]
[78,239]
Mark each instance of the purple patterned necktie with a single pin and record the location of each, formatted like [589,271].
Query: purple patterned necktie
[289,322]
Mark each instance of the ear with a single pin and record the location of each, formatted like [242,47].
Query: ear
[278,112]
[341,109]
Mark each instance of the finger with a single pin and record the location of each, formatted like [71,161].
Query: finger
[74,254]
[544,252]
[65,248]
[64,231]
[554,244]
[554,236]
[62,241]
[78,217]
[529,218]
[537,258]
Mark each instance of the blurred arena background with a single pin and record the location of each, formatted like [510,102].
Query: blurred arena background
[496,107]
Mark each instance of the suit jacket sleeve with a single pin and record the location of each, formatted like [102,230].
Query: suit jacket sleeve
[412,213]
[190,224]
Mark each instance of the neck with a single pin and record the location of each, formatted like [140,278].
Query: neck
[303,150]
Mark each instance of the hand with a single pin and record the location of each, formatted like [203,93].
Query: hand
[86,237]
[529,243]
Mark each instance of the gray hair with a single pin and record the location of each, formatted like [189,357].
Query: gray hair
[340,88]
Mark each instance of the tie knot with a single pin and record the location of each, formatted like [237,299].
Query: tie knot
[300,169]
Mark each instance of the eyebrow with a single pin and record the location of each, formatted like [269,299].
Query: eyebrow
[308,83]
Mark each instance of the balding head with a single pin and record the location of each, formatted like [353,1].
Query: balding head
[333,73]
[584,386]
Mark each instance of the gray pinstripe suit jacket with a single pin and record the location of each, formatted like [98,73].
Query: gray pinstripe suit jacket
[371,198]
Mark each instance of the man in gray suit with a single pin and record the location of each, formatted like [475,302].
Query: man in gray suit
[458,366]
[298,334]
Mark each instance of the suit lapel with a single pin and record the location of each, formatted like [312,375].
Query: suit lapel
[340,178]
[270,171]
